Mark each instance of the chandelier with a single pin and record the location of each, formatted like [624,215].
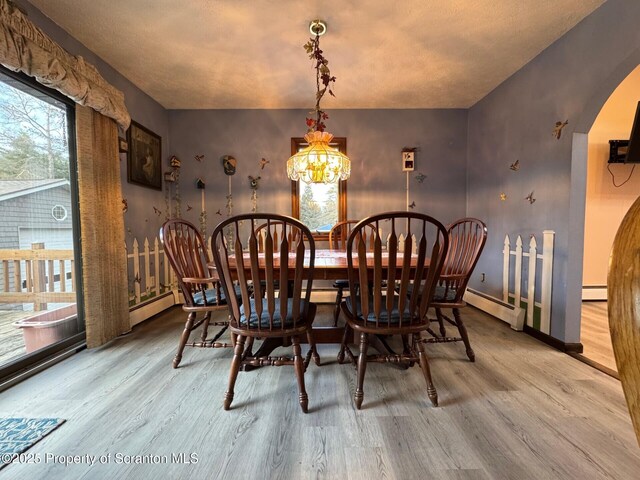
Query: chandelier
[319,162]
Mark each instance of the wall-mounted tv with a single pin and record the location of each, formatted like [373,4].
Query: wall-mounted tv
[633,150]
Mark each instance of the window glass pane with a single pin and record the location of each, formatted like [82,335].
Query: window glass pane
[319,206]
[37,277]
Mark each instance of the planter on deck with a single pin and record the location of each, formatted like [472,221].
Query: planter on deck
[48,327]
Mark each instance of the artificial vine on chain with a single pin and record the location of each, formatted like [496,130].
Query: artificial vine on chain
[323,75]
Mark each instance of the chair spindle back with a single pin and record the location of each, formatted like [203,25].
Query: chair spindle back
[393,271]
[287,252]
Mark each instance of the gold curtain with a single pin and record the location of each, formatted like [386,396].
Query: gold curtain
[26,48]
[104,270]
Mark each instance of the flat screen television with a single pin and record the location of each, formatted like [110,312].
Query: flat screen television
[633,150]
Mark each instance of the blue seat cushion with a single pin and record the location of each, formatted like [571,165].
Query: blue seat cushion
[210,295]
[342,283]
[264,318]
[385,317]
[442,294]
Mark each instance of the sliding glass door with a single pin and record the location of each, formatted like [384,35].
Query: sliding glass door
[39,233]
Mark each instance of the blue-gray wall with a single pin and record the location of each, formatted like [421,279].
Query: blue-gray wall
[570,80]
[375,139]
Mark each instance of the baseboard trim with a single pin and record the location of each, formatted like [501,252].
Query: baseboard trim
[495,307]
[553,342]
[142,312]
[594,293]
[596,365]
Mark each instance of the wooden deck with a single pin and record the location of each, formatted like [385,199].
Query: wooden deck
[522,411]
[11,342]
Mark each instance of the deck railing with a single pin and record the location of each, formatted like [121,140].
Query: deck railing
[40,276]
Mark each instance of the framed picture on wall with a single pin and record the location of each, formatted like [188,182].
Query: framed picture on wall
[143,158]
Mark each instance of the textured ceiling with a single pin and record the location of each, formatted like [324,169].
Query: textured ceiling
[385,54]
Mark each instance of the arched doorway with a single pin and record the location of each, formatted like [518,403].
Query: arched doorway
[579,154]
[610,189]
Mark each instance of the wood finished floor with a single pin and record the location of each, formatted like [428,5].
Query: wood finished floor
[522,411]
[595,336]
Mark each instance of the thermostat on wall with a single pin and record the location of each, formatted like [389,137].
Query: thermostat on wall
[408,163]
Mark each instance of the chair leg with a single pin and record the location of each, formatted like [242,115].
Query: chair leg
[188,326]
[205,326]
[336,310]
[463,333]
[312,346]
[443,331]
[343,345]
[298,365]
[248,352]
[362,368]
[407,341]
[233,374]
[424,365]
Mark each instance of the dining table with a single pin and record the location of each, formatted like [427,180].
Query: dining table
[329,264]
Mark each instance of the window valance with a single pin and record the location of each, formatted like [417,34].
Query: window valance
[26,48]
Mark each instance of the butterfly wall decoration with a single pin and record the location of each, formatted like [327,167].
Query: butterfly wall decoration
[530,198]
[557,130]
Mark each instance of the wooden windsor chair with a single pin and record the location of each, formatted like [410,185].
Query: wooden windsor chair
[374,308]
[338,236]
[263,315]
[467,238]
[200,288]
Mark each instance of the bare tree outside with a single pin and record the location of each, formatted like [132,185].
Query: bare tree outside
[319,206]
[33,137]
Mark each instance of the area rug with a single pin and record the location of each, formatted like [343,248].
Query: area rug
[19,434]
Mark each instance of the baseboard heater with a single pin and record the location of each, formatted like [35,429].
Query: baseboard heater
[510,314]
[141,312]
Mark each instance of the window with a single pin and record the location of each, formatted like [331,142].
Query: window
[319,206]
[59,213]
[40,278]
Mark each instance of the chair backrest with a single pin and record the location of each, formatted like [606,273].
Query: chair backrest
[188,256]
[244,262]
[467,237]
[340,232]
[277,231]
[386,273]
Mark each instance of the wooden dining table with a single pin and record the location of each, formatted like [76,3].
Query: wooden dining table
[329,264]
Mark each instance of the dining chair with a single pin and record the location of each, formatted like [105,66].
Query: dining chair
[374,308]
[278,230]
[290,314]
[467,237]
[200,287]
[338,236]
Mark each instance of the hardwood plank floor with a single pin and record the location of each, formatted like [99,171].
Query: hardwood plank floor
[522,411]
[595,336]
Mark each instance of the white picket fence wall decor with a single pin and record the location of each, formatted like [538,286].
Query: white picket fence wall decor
[546,271]
[151,280]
